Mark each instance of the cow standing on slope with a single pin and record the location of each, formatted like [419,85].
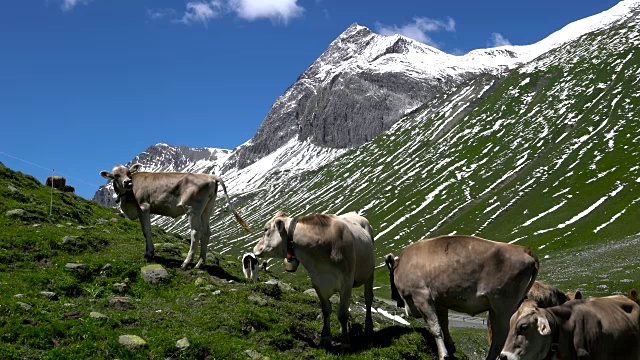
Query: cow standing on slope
[466,274]
[598,329]
[337,252]
[56,182]
[170,194]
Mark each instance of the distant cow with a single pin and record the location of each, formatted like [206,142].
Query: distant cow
[170,194]
[466,274]
[250,266]
[337,253]
[57,182]
[598,329]
[69,188]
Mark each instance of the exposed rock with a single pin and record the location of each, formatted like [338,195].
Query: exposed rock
[15,212]
[80,269]
[49,295]
[97,315]
[283,286]
[18,296]
[183,343]
[25,306]
[73,243]
[105,270]
[132,342]
[217,292]
[254,355]
[154,274]
[199,282]
[73,315]
[311,292]
[212,259]
[121,303]
[12,189]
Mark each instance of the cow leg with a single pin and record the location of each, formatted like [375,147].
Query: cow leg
[194,223]
[499,330]
[426,307]
[443,319]
[343,313]
[368,300]
[206,232]
[325,304]
[145,223]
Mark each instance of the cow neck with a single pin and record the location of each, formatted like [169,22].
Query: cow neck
[554,350]
[290,249]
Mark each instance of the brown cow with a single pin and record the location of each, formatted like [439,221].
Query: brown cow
[170,194]
[633,295]
[56,182]
[69,188]
[336,251]
[466,274]
[544,295]
[599,329]
[574,295]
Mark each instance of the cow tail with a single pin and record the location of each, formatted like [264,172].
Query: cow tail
[239,219]
[534,275]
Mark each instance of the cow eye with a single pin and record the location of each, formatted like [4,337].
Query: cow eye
[117,176]
[524,327]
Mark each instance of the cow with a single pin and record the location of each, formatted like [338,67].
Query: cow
[68,188]
[597,328]
[264,264]
[633,295]
[170,194]
[56,182]
[250,266]
[466,274]
[544,295]
[574,295]
[336,251]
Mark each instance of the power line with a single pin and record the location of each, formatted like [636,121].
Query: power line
[48,169]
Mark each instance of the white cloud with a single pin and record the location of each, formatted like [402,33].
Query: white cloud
[70,4]
[158,14]
[201,11]
[276,10]
[497,40]
[419,28]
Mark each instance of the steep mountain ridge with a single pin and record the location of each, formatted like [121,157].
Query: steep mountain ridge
[544,155]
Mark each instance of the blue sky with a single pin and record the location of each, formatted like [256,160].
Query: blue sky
[87,84]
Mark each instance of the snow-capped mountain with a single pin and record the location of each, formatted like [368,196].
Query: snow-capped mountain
[360,87]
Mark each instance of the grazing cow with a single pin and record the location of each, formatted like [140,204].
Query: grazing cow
[56,182]
[170,194]
[466,274]
[337,252]
[250,266]
[264,264]
[68,188]
[599,329]
[544,295]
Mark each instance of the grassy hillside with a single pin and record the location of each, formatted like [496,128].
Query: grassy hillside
[545,156]
[222,315]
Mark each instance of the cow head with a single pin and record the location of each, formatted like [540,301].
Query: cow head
[121,176]
[273,243]
[391,262]
[529,336]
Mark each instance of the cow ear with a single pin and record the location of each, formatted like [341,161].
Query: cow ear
[390,261]
[280,226]
[543,325]
[578,295]
[107,175]
[135,168]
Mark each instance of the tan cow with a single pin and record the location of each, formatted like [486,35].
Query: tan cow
[169,194]
[598,329]
[466,274]
[68,188]
[337,253]
[57,182]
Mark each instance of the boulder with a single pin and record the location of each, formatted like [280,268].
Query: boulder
[154,274]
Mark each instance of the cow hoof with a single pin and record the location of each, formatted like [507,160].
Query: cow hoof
[199,264]
[325,342]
